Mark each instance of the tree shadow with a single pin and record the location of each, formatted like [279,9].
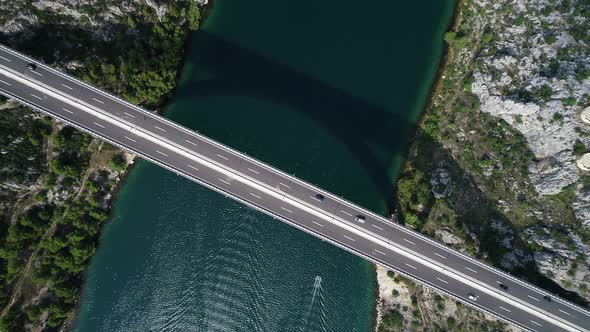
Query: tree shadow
[476,213]
[372,134]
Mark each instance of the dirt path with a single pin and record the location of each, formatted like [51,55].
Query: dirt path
[25,273]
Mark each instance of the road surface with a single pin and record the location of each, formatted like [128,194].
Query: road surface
[285,197]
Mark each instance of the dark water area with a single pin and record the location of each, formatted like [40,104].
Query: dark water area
[327,91]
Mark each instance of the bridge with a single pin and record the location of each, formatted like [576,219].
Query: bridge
[285,197]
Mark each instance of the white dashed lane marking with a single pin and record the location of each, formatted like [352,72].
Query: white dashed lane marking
[534,298]
[253,171]
[439,255]
[346,213]
[446,282]
[131,139]
[501,307]
[410,242]
[128,114]
[317,223]
[67,110]
[470,269]
[567,313]
[100,101]
[224,157]
[379,228]
[380,252]
[252,194]
[222,180]
[5,82]
[37,73]
[532,321]
[67,87]
[36,96]
[192,143]
[161,129]
[282,184]
[101,126]
[411,266]
[286,209]
[162,153]
[5,59]
[193,167]
[351,239]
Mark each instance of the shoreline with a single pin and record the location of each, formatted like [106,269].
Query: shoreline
[70,323]
[428,105]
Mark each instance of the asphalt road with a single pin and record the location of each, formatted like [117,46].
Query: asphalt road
[285,197]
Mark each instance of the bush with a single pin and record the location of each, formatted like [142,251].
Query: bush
[393,319]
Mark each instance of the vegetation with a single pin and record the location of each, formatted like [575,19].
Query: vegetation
[50,234]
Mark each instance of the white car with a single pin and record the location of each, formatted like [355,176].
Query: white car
[360,219]
[472,297]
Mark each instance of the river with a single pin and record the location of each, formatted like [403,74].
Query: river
[328,91]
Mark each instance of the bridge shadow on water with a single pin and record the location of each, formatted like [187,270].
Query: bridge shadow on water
[374,135]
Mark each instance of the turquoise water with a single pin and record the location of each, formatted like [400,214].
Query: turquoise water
[327,91]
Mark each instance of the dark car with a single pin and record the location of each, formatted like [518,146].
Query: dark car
[504,287]
[547,298]
[32,66]
[319,197]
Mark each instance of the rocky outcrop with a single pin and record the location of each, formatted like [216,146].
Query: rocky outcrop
[530,77]
[562,256]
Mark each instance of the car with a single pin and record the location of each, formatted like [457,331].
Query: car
[547,298]
[504,287]
[32,66]
[360,218]
[319,197]
[472,296]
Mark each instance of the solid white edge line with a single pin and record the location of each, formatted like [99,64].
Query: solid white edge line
[307,185]
[398,227]
[414,256]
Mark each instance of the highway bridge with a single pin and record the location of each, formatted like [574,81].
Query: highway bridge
[285,197]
